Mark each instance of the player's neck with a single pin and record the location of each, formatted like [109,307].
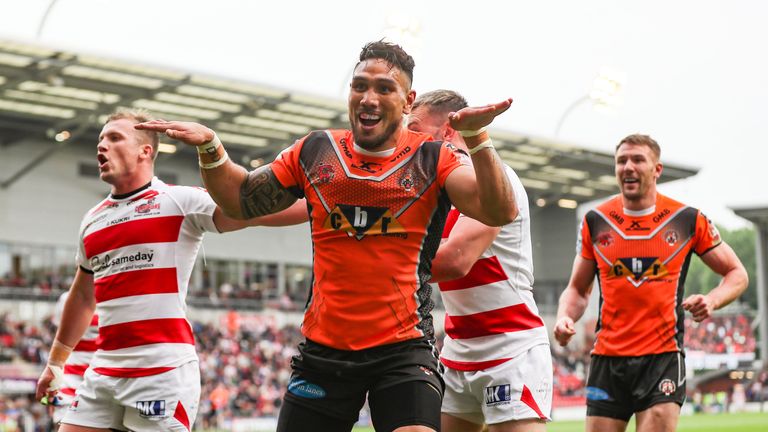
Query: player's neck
[641,203]
[390,144]
[131,184]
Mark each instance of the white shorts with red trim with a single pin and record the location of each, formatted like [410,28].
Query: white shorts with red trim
[163,402]
[518,389]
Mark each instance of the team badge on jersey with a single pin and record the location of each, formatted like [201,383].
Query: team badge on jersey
[605,239]
[407,183]
[324,174]
[671,237]
[667,386]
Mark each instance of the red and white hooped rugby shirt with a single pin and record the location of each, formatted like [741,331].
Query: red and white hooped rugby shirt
[491,316]
[141,250]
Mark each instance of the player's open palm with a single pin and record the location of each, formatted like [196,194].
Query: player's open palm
[474,118]
[187,132]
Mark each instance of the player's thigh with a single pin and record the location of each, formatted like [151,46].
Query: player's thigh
[519,389]
[407,406]
[459,402]
[526,425]
[299,418]
[460,423]
[93,406]
[605,424]
[658,418]
[163,402]
[76,428]
[608,396]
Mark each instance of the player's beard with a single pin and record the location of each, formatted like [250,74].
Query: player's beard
[372,143]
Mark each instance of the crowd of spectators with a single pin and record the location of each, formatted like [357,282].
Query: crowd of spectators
[722,334]
[245,358]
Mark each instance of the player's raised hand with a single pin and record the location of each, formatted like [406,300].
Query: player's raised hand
[564,330]
[187,132]
[474,118]
[700,307]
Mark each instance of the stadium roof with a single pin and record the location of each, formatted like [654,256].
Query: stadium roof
[755,214]
[64,97]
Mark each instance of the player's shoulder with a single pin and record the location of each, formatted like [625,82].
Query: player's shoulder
[609,206]
[665,202]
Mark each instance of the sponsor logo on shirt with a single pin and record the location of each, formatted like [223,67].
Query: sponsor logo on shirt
[132,261]
[639,268]
[117,221]
[370,167]
[359,221]
[147,207]
[661,215]
[148,409]
[635,226]
[498,395]
[617,217]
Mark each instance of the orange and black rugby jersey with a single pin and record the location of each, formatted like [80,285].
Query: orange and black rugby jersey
[642,260]
[376,224]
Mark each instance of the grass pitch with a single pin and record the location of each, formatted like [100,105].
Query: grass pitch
[743,422]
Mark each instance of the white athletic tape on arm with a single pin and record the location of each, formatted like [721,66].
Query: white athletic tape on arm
[487,144]
[58,377]
[471,133]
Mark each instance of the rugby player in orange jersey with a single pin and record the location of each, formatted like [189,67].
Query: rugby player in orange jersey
[377,198]
[639,244]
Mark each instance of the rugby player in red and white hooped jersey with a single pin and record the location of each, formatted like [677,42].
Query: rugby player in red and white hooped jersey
[77,363]
[496,350]
[137,249]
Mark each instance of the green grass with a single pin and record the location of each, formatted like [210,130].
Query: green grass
[745,422]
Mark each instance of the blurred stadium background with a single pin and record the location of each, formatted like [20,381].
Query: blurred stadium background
[248,288]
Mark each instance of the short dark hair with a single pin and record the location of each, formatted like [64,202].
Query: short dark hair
[138,115]
[392,53]
[640,139]
[441,101]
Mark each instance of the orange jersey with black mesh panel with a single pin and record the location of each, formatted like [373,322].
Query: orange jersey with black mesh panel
[376,224]
[642,260]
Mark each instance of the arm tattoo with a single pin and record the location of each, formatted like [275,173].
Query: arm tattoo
[261,194]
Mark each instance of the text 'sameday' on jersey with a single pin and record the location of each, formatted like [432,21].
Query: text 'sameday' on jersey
[491,316]
[141,250]
[376,224]
[642,260]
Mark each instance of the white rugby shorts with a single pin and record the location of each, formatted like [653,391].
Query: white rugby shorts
[163,402]
[518,389]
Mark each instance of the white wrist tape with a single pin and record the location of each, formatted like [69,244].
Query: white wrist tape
[471,133]
[213,165]
[210,147]
[58,377]
[487,144]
